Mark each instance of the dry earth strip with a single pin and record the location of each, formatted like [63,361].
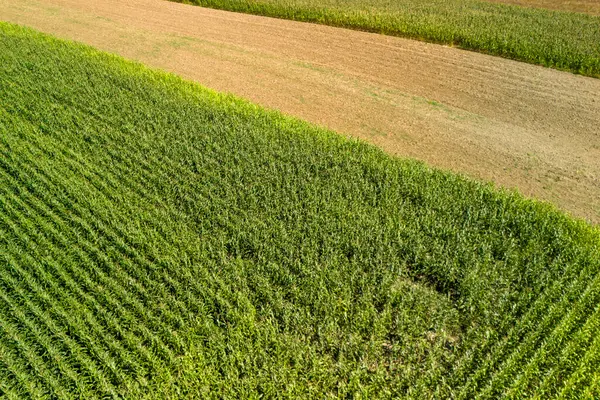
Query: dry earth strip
[519,125]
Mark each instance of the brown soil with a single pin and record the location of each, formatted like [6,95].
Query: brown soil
[581,6]
[516,124]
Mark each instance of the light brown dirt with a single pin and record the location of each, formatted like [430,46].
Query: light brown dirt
[519,125]
[580,6]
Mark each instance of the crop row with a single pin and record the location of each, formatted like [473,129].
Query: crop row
[158,239]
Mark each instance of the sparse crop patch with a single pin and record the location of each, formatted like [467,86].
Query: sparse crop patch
[160,240]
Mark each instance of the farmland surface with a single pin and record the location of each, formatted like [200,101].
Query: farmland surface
[519,125]
[569,41]
[158,239]
[581,6]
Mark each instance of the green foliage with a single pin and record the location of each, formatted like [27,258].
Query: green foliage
[562,40]
[160,240]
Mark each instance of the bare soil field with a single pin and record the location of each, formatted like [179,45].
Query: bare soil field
[582,6]
[519,125]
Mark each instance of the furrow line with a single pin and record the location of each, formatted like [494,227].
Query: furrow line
[110,300]
[59,293]
[120,240]
[110,321]
[48,297]
[30,355]
[563,337]
[585,382]
[8,391]
[513,365]
[101,125]
[99,258]
[191,301]
[73,328]
[528,325]
[582,364]
[25,383]
[45,334]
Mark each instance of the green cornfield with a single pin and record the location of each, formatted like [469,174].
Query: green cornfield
[160,240]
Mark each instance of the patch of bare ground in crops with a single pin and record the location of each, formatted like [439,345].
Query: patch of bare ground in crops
[519,125]
[582,6]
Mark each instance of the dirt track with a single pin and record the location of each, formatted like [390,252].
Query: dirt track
[519,125]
